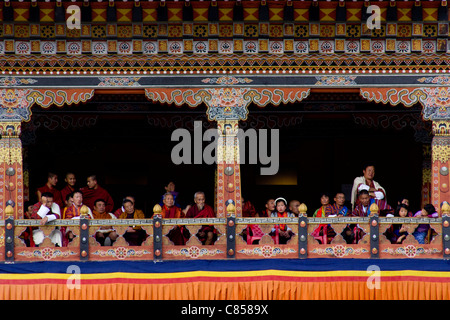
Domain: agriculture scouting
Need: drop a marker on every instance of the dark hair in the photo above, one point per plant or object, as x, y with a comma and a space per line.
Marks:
429, 208
51, 175
397, 210
282, 200
126, 201
125, 198
326, 194
368, 164
99, 200
47, 195
70, 195
363, 192
77, 191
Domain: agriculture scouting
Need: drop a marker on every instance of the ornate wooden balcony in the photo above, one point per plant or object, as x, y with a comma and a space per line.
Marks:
229, 243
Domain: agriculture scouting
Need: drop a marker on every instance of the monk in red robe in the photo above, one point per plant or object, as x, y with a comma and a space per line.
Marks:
207, 234
94, 191
179, 235
50, 186
70, 185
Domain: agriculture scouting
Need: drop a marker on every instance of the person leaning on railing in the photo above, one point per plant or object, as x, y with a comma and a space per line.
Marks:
76, 211
207, 234
423, 231
134, 235
46, 210
397, 233
105, 235
179, 235
281, 233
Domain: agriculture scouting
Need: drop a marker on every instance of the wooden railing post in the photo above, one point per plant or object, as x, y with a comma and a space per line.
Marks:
84, 233
84, 239
9, 234
445, 212
374, 232
157, 233
231, 231
302, 232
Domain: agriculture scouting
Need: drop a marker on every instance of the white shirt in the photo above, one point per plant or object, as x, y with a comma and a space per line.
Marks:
43, 210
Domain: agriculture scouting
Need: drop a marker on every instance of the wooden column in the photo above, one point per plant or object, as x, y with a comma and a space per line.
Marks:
440, 162
11, 175
228, 177
426, 175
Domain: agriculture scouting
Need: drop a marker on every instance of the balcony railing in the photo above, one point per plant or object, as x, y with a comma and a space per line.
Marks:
230, 242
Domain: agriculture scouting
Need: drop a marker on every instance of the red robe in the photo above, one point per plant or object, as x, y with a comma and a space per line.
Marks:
90, 195
206, 212
179, 235
65, 191
118, 212
171, 213
57, 198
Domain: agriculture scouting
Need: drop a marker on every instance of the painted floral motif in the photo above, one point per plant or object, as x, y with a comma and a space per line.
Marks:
119, 81
73, 48
194, 252
301, 31
276, 47
267, 251
377, 46
226, 80
13, 81
429, 47
435, 80
250, 47
336, 80
175, 47
225, 46
14, 103
352, 47
125, 47
48, 47
23, 47
99, 48
47, 253
301, 47
150, 47
339, 251
403, 47
200, 47
411, 251
326, 46
121, 253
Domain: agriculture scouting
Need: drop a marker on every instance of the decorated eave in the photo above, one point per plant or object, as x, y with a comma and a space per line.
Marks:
190, 37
